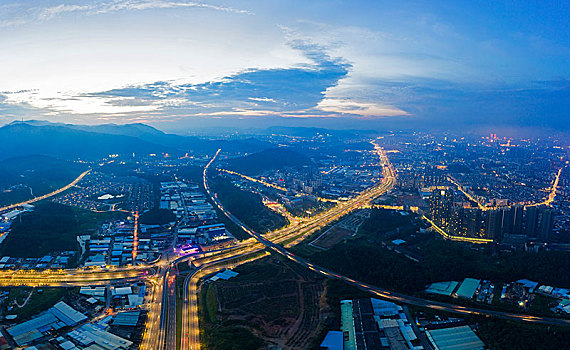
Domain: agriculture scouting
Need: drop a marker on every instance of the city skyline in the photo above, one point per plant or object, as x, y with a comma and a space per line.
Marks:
284, 175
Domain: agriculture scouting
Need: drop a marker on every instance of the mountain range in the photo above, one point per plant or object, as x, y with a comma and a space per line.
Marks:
70, 141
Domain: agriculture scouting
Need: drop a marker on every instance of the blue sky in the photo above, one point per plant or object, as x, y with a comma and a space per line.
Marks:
183, 65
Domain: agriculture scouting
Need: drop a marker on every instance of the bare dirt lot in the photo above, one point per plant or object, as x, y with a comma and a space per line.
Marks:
279, 302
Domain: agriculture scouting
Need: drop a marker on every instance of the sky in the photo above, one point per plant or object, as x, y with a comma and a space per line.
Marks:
185, 65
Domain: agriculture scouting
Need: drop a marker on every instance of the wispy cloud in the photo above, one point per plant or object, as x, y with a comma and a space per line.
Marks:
287, 92
358, 108
46, 13
262, 99
146, 5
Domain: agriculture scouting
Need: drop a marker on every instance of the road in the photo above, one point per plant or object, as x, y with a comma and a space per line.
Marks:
547, 201
159, 330
267, 184
70, 278
51, 194
331, 215
190, 338
171, 313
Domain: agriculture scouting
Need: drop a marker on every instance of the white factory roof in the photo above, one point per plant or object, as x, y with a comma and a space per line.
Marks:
456, 338
468, 288
122, 291
443, 288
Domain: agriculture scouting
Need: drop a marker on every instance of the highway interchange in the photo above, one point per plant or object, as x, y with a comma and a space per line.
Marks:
161, 334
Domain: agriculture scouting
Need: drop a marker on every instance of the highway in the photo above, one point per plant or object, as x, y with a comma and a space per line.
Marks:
70, 278
334, 213
547, 201
152, 333
190, 338
552, 193
51, 194
456, 238
267, 184
160, 330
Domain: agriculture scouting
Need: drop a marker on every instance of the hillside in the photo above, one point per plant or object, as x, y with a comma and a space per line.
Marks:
24, 177
69, 141
270, 159
63, 142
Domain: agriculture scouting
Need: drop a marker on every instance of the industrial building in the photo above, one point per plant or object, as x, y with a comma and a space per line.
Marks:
59, 316
455, 338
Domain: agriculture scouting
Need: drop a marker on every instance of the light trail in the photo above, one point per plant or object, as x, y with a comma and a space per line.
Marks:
267, 184
135, 237
456, 238
547, 201
248, 250
252, 179
51, 194
366, 196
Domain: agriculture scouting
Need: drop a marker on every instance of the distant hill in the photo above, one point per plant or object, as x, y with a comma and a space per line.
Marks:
270, 159
172, 141
68, 141
19, 139
312, 131
14, 169
24, 177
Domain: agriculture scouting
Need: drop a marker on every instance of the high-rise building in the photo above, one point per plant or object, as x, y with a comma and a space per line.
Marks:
517, 211
531, 223
441, 206
473, 221
506, 221
546, 225
493, 222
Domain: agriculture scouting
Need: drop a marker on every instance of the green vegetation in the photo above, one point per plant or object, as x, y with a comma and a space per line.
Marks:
41, 300
220, 336
89, 220
364, 258
384, 222
373, 264
191, 173
211, 304
271, 301
246, 206
35, 175
157, 216
269, 159
542, 304
230, 338
312, 207
51, 227
499, 334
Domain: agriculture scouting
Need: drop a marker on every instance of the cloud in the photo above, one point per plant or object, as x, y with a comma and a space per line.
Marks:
364, 109
262, 99
294, 91
147, 5
47, 13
